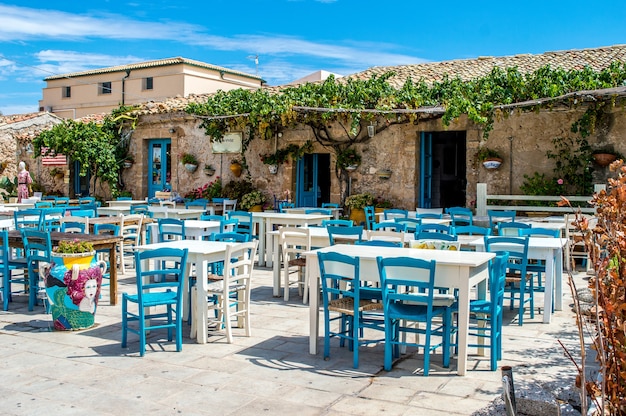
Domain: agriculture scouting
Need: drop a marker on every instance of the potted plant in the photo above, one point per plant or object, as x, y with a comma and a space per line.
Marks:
253, 201
490, 158
128, 161
357, 203
348, 159
605, 156
209, 170
73, 281
384, 173
235, 167
190, 161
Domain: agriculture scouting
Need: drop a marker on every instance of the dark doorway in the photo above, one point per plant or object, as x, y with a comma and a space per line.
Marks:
442, 169
313, 180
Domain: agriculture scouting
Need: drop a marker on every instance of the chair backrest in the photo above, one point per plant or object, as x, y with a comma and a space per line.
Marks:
433, 235
244, 221
370, 217
471, 230
30, 218
37, 245
496, 216
167, 204
386, 235
389, 226
75, 225
197, 203
239, 263
429, 215
283, 205
511, 228
89, 213
436, 211
540, 232
87, 200
229, 225
230, 237
140, 209
497, 281
517, 247
339, 274
415, 276
130, 227
461, 216
50, 218
171, 229
43, 204
229, 205
49, 198
124, 198
380, 243
345, 235
329, 205
391, 213
62, 201
106, 229
410, 224
171, 262
211, 217
436, 228
322, 211
338, 223
294, 240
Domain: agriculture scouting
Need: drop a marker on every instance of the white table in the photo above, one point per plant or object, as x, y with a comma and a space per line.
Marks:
194, 229
201, 253
19, 206
550, 250
455, 269
178, 213
380, 217
126, 203
267, 221
114, 211
302, 210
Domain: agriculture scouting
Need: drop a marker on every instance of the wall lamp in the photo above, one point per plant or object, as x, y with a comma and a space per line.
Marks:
371, 130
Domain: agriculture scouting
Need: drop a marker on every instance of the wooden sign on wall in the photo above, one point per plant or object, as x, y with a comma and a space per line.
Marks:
231, 143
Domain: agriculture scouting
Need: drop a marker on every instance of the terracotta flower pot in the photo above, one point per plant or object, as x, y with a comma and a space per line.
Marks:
604, 159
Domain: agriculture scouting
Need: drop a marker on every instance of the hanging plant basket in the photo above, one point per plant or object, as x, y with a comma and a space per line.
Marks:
604, 159
273, 169
191, 167
351, 168
209, 171
492, 163
128, 164
236, 168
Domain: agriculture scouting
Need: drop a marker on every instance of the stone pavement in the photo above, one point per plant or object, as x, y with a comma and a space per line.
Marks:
88, 372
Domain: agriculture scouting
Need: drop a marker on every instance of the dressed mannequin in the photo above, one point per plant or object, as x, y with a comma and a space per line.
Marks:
23, 180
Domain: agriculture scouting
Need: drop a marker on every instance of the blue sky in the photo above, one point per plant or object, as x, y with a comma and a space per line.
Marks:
292, 38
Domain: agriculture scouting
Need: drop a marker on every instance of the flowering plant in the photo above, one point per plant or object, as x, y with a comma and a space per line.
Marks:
348, 157
209, 190
188, 159
73, 246
277, 158
253, 198
380, 202
359, 201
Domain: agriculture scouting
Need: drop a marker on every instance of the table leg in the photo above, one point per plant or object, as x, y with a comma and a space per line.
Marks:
185, 293
276, 266
558, 296
113, 274
201, 312
463, 329
549, 288
312, 272
262, 242
269, 226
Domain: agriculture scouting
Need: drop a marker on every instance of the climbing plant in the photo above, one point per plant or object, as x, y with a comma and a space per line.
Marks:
100, 148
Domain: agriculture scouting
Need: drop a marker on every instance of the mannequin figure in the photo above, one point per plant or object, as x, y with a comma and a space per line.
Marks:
23, 180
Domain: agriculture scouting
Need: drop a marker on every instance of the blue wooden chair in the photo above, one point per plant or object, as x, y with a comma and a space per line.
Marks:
171, 229
322, 211
379, 243
50, 218
44, 204
342, 297
539, 266
154, 290
432, 235
210, 217
37, 248
392, 213
519, 283
436, 228
87, 200
28, 218
461, 216
370, 217
338, 223
511, 228
486, 314
197, 204
244, 224
283, 205
140, 209
471, 230
345, 235
89, 213
408, 286
390, 225
429, 215
329, 205
496, 216
410, 224
7, 267
78, 225
62, 201
124, 198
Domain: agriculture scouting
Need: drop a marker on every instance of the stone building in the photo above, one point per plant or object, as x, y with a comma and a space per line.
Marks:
448, 152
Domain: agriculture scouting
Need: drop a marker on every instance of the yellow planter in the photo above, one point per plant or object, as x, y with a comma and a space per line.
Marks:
357, 216
256, 208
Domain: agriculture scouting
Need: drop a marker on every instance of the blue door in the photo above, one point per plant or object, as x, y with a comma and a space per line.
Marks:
159, 166
313, 180
81, 183
426, 170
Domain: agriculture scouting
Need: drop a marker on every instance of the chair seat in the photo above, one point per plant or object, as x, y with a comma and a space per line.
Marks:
300, 262
417, 312
153, 299
346, 305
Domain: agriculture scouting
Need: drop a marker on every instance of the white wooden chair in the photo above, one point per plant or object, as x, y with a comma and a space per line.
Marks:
130, 226
293, 242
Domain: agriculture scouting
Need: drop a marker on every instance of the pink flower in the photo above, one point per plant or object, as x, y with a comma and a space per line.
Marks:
560, 181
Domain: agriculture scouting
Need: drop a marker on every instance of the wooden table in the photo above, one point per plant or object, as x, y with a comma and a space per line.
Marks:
178, 213
302, 210
455, 269
100, 242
